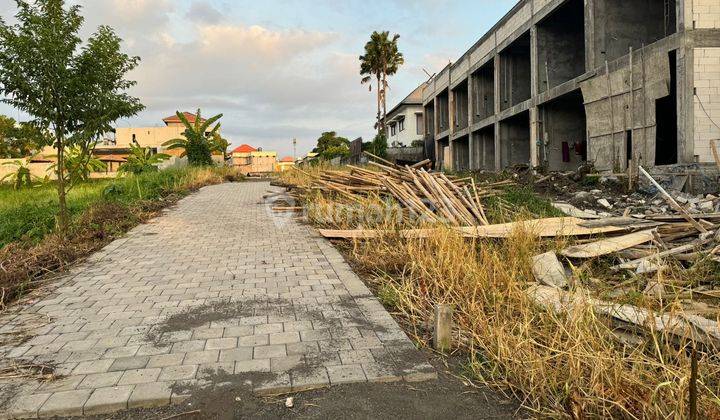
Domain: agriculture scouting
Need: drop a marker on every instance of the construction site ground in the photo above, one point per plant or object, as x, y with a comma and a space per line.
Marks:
224, 306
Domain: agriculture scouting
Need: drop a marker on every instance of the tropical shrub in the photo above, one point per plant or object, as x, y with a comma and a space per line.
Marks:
142, 159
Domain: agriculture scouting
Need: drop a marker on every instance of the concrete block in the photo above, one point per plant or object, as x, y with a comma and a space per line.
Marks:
129, 363
155, 394
108, 400
26, 406
255, 365
100, 380
176, 373
139, 376
65, 403
346, 374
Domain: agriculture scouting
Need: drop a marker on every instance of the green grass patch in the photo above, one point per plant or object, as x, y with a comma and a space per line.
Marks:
517, 199
30, 214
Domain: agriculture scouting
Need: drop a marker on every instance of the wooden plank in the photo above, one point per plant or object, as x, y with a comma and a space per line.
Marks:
677, 250
549, 227
608, 245
548, 270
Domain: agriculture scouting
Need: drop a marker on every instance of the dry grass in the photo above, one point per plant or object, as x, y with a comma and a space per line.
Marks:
558, 365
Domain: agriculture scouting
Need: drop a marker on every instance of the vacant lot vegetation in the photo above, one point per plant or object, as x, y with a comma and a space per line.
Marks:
574, 364
101, 210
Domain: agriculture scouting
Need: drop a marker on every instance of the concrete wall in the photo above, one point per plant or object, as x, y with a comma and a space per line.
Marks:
255, 164
483, 149
621, 24
608, 104
563, 133
147, 136
515, 140
706, 70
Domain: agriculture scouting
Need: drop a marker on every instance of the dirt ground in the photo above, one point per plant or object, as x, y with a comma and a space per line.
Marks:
444, 398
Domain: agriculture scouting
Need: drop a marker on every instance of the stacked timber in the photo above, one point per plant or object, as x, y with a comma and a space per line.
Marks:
433, 196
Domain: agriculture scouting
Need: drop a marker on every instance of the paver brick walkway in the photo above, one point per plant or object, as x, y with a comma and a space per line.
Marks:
217, 290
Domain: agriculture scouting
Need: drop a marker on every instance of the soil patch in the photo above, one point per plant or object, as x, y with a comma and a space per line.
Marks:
449, 396
197, 316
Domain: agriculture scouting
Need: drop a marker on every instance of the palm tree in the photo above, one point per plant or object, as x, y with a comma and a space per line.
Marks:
197, 144
142, 159
382, 58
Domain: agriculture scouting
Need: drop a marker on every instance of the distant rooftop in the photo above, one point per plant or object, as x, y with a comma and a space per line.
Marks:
244, 148
414, 98
173, 119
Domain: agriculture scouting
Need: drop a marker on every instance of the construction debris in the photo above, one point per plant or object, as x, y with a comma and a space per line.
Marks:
548, 270
640, 249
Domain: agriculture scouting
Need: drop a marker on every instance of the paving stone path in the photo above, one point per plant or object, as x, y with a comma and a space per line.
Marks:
217, 290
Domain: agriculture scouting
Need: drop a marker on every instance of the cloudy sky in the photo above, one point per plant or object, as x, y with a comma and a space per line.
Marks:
278, 69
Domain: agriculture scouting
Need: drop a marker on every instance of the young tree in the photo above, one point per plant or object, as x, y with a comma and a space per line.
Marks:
74, 89
382, 58
330, 145
198, 143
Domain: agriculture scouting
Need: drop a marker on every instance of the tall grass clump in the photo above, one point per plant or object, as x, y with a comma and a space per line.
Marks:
558, 364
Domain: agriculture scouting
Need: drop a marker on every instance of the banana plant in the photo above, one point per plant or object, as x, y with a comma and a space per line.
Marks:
142, 159
197, 143
20, 176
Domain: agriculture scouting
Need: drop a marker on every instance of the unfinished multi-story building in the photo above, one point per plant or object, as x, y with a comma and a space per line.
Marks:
556, 83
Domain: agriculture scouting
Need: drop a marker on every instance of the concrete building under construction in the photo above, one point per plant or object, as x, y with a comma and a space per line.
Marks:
557, 83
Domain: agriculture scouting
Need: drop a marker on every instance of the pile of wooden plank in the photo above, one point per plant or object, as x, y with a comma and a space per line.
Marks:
432, 196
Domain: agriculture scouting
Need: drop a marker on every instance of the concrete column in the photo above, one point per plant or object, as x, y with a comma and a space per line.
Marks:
589, 35
685, 103
534, 89
498, 142
451, 124
534, 136
438, 152
471, 144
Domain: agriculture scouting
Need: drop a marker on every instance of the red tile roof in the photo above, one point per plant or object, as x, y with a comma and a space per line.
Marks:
174, 118
287, 159
245, 148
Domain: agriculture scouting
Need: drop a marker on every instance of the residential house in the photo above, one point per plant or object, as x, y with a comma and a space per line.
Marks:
404, 122
253, 161
285, 164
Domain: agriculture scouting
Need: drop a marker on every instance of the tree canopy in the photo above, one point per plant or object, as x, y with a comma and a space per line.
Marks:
19, 140
74, 89
330, 145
